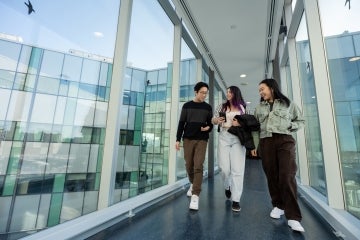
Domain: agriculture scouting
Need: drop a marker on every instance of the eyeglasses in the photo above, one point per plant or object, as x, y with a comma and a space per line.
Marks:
204, 93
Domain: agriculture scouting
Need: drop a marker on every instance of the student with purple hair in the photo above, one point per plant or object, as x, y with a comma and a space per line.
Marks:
231, 154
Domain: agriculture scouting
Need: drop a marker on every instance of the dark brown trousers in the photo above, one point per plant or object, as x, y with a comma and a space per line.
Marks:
278, 160
194, 154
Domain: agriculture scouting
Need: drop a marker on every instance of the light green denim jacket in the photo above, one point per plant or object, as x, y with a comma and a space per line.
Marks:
282, 119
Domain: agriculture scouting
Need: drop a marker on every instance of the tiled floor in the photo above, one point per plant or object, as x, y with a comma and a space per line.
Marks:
215, 219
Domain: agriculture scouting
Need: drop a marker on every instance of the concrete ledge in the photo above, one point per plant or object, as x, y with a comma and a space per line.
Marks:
92, 223
344, 224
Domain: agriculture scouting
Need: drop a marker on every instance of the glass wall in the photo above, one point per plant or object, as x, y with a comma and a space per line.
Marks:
55, 76
143, 158
342, 42
219, 97
312, 130
53, 123
55, 80
187, 82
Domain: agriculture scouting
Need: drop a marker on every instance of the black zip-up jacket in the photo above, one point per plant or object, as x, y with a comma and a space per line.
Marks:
248, 124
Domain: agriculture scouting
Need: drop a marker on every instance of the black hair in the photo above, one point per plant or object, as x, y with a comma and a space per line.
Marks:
273, 85
237, 99
199, 85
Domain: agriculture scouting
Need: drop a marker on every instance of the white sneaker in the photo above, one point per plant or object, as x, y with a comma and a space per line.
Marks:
295, 225
194, 203
276, 213
189, 192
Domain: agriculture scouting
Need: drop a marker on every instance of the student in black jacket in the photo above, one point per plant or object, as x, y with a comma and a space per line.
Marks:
194, 128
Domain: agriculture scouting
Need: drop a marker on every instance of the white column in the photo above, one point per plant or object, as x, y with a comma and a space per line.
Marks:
174, 105
115, 102
325, 106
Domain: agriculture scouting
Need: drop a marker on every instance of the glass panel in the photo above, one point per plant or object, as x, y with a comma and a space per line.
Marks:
59, 182
55, 209
48, 85
84, 115
5, 203
72, 206
14, 158
9, 55
342, 43
9, 185
7, 79
4, 103
25, 213
100, 114
90, 72
19, 106
23, 64
43, 214
93, 158
72, 68
5, 148
57, 158
60, 110
187, 83
78, 158
310, 111
34, 159
90, 202
51, 64
43, 104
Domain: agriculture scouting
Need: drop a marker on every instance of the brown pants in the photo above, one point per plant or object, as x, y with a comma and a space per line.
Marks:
278, 160
194, 154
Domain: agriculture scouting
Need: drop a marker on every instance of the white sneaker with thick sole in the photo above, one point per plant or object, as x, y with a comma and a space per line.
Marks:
276, 213
189, 192
296, 226
194, 202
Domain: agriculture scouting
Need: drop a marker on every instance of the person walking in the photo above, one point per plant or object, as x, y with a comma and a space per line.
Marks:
231, 154
279, 118
194, 128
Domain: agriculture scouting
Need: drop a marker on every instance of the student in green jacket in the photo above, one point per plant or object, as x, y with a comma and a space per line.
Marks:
279, 118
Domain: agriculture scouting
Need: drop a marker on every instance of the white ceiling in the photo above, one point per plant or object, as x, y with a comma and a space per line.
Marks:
235, 33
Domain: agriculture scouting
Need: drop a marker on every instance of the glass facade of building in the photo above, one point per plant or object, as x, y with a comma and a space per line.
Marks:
53, 129
340, 77
342, 44
310, 111
53, 120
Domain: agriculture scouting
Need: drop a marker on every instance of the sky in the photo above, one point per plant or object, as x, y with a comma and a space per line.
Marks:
85, 26
63, 25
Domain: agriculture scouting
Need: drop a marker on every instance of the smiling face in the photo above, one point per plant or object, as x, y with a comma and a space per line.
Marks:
200, 95
266, 93
229, 94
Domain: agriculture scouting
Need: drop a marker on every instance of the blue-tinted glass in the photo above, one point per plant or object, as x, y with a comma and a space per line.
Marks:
90, 72
72, 68
11, 51
51, 64
138, 81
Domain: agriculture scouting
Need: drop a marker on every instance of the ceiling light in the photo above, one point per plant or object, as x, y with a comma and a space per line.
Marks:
353, 59
244, 83
243, 75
